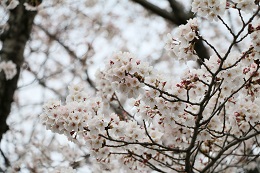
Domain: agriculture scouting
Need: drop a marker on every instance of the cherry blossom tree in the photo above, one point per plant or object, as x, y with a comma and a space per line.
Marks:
206, 122
134, 117
62, 46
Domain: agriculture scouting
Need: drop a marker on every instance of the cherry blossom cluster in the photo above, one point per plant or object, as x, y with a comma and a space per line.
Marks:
210, 9
83, 117
9, 68
78, 115
245, 5
181, 44
125, 72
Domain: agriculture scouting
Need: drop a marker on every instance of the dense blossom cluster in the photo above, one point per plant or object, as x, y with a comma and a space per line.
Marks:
9, 68
209, 8
212, 9
182, 44
207, 121
124, 71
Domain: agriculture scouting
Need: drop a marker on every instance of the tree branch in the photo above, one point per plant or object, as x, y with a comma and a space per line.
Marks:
178, 11
13, 44
157, 10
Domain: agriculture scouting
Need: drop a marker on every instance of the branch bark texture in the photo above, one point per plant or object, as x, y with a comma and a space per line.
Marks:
13, 40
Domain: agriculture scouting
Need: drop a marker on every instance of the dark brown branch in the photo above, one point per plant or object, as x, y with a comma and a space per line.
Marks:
157, 10
179, 12
13, 43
